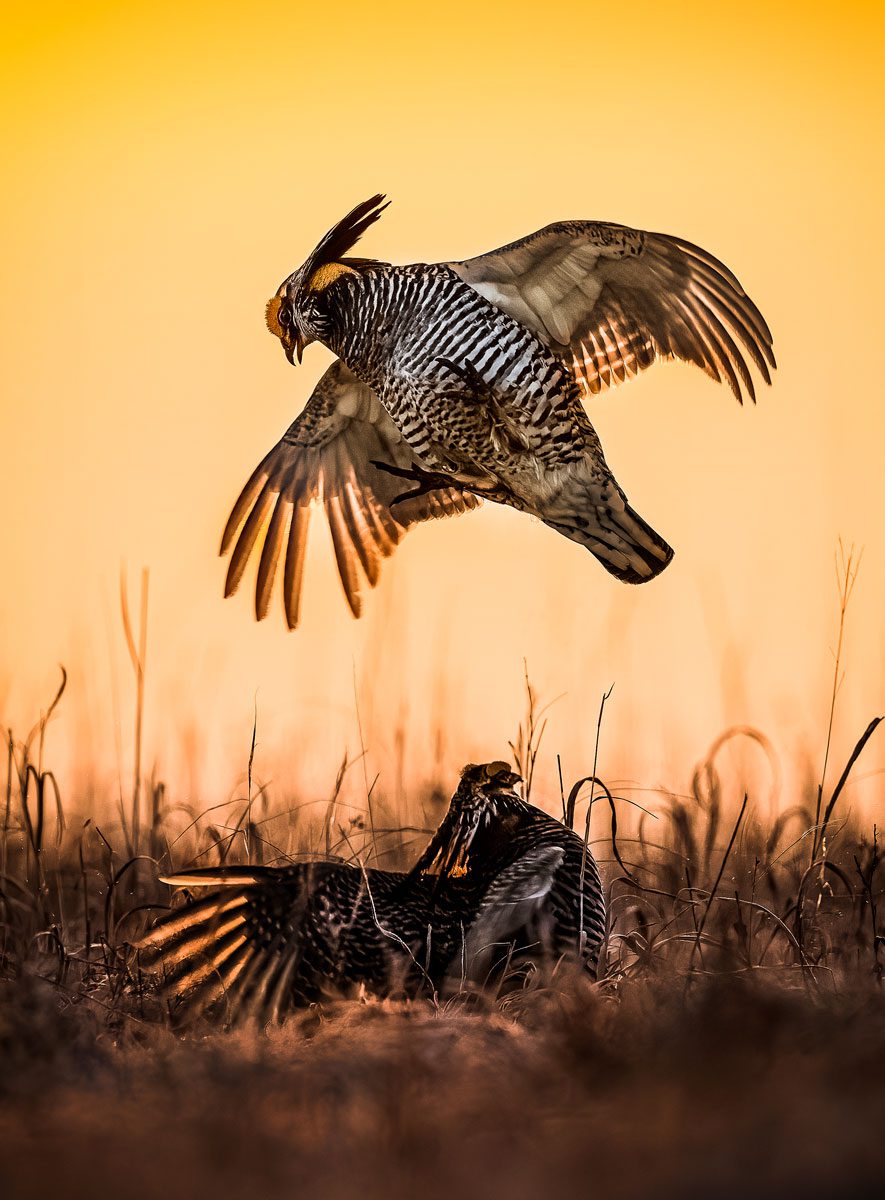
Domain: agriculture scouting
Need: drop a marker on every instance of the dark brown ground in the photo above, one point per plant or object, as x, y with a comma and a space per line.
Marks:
738, 1087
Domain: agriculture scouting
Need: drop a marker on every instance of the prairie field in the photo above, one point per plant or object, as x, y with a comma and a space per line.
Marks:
737, 1027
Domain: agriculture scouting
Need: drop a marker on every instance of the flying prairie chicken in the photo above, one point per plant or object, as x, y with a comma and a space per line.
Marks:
500, 880
466, 379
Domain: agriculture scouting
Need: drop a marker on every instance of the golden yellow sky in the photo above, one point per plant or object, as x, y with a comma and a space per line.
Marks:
167, 165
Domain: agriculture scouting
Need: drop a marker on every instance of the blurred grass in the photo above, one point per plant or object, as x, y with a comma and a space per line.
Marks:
739, 1085
789, 885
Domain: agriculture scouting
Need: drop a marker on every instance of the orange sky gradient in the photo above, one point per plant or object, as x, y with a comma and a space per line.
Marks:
167, 165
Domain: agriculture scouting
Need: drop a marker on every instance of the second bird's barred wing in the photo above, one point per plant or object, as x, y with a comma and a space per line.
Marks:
610, 300
236, 949
262, 940
327, 455
510, 904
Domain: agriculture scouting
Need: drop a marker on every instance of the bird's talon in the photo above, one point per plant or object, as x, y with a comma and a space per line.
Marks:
427, 482
390, 469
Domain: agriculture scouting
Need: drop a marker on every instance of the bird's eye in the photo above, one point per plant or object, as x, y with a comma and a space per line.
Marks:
284, 316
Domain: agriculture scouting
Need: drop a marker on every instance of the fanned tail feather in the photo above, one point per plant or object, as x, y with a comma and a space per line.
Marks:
211, 954
219, 876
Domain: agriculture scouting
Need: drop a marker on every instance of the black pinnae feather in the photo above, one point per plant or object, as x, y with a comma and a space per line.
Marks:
346, 233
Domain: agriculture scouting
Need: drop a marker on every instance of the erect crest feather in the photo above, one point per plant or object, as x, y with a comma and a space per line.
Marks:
345, 234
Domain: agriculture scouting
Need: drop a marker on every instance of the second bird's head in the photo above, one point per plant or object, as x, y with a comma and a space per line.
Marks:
484, 800
486, 792
299, 312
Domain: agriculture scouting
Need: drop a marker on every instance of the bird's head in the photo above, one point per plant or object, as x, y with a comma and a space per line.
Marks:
299, 314
486, 782
485, 796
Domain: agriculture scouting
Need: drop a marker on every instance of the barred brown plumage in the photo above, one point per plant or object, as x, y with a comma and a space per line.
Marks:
535, 886
273, 938
467, 378
500, 882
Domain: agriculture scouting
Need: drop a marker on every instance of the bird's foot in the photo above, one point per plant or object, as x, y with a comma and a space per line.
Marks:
399, 472
427, 481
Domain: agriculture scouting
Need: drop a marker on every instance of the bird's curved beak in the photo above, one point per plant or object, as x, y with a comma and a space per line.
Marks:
294, 347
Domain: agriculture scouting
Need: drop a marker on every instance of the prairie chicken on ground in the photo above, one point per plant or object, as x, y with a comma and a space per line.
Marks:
466, 380
497, 873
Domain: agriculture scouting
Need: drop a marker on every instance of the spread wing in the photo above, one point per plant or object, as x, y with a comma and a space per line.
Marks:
514, 897
326, 455
609, 300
